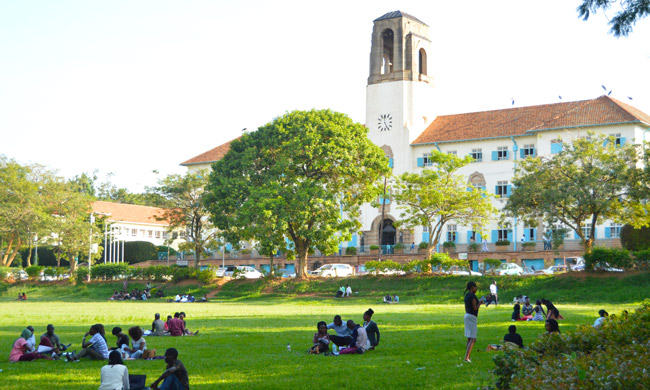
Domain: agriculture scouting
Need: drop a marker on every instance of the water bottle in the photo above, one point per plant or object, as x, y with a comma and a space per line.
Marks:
288, 347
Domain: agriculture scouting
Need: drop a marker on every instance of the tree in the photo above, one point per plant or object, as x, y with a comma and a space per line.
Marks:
303, 176
591, 180
630, 11
186, 209
439, 195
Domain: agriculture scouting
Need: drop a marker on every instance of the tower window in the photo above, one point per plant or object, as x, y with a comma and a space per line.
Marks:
387, 45
422, 61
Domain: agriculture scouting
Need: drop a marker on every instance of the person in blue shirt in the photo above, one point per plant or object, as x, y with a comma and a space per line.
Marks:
343, 335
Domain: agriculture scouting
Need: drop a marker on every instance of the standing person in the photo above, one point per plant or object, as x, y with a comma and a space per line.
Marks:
114, 375
359, 339
175, 376
485, 245
95, 348
494, 294
472, 305
19, 352
371, 329
343, 335
157, 326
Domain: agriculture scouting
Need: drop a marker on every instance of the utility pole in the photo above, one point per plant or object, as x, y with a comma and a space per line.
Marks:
381, 224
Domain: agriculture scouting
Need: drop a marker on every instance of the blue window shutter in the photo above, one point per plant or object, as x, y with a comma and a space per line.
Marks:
608, 232
456, 237
495, 155
510, 235
605, 142
508, 190
622, 139
469, 236
534, 234
507, 155
534, 152
556, 148
521, 153
575, 235
478, 237
228, 247
420, 161
496, 190
354, 241
390, 163
425, 237
495, 236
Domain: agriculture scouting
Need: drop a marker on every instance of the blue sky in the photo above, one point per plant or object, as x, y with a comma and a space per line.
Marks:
128, 87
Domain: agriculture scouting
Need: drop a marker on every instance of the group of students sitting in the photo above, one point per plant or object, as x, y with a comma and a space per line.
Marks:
188, 298
24, 349
388, 299
135, 295
174, 326
22, 296
350, 337
524, 311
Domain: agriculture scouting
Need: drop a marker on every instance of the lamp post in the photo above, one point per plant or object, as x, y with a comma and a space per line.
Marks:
36, 252
90, 244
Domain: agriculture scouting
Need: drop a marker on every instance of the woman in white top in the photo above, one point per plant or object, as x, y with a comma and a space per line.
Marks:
138, 342
115, 375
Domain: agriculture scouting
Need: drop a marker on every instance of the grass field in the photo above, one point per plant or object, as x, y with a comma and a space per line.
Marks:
243, 341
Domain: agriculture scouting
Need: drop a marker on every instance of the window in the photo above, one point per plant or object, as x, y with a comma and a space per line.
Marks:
134, 232
427, 160
614, 230
165, 235
556, 146
150, 233
502, 153
618, 140
502, 189
455, 153
451, 233
586, 231
425, 229
528, 151
502, 234
141, 233
477, 155
157, 234
182, 235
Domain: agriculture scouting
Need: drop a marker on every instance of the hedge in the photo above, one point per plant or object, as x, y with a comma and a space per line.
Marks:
138, 251
635, 239
608, 257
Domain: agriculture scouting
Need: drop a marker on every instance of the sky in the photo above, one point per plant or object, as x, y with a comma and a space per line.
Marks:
127, 88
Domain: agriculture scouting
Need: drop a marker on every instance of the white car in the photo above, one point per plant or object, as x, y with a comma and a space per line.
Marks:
224, 271
334, 270
510, 269
552, 270
248, 272
456, 270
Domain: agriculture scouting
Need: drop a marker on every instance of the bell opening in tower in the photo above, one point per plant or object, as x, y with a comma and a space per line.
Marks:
387, 39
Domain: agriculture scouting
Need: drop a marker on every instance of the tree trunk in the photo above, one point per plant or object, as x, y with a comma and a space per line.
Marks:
10, 255
271, 272
301, 250
197, 255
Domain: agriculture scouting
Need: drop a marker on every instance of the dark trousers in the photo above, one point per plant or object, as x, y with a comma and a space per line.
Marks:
341, 341
171, 383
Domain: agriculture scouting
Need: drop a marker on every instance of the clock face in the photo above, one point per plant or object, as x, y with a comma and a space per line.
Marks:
385, 122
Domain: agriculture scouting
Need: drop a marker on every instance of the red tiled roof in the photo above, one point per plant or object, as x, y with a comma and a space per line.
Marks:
120, 212
211, 155
526, 120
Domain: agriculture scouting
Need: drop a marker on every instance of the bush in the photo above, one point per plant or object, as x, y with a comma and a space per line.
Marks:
642, 259
382, 266
491, 264
34, 271
399, 245
163, 248
81, 274
474, 247
350, 251
635, 239
423, 245
528, 244
46, 256
137, 251
6, 273
613, 356
374, 247
502, 242
605, 257
449, 244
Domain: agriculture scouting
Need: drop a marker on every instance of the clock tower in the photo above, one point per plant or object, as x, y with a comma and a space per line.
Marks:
399, 90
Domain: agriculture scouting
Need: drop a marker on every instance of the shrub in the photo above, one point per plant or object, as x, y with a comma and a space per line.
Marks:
399, 245
137, 251
423, 245
159, 273
606, 257
6, 273
351, 251
382, 266
502, 242
374, 247
34, 271
110, 271
642, 258
449, 244
491, 264
163, 248
81, 274
635, 239
247, 251
528, 244
612, 356
474, 247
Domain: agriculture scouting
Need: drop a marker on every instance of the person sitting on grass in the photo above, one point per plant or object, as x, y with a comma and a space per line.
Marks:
138, 342
511, 339
516, 314
551, 311
19, 351
114, 375
176, 325
527, 308
359, 339
53, 339
157, 326
95, 348
187, 332
603, 317
122, 339
343, 336
321, 339
395, 299
175, 376
169, 318
204, 298
539, 313
551, 326
371, 329
387, 299
31, 341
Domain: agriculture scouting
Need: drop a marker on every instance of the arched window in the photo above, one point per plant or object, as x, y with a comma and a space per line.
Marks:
387, 56
422, 61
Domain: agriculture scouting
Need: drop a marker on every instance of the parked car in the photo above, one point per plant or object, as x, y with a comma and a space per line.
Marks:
247, 272
17, 274
225, 271
334, 270
575, 262
285, 273
510, 269
456, 270
552, 270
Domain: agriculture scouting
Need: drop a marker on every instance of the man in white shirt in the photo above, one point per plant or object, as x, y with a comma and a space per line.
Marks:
493, 292
348, 290
31, 342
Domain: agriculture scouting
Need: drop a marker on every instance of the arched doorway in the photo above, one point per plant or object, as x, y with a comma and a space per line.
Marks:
389, 232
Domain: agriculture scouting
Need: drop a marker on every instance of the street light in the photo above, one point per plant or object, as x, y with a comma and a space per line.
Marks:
90, 240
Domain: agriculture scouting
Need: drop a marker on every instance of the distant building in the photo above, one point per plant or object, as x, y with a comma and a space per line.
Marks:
205, 160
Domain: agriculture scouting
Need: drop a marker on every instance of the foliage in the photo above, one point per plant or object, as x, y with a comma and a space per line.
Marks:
502, 242
449, 244
474, 247
491, 265
557, 237
601, 258
374, 247
137, 251
377, 266
642, 258
34, 271
399, 245
529, 244
303, 176
439, 195
423, 245
351, 251
621, 24
612, 356
186, 209
635, 239
590, 180
111, 271
80, 274
165, 248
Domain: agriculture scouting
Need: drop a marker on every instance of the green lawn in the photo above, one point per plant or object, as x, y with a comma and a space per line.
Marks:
243, 342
